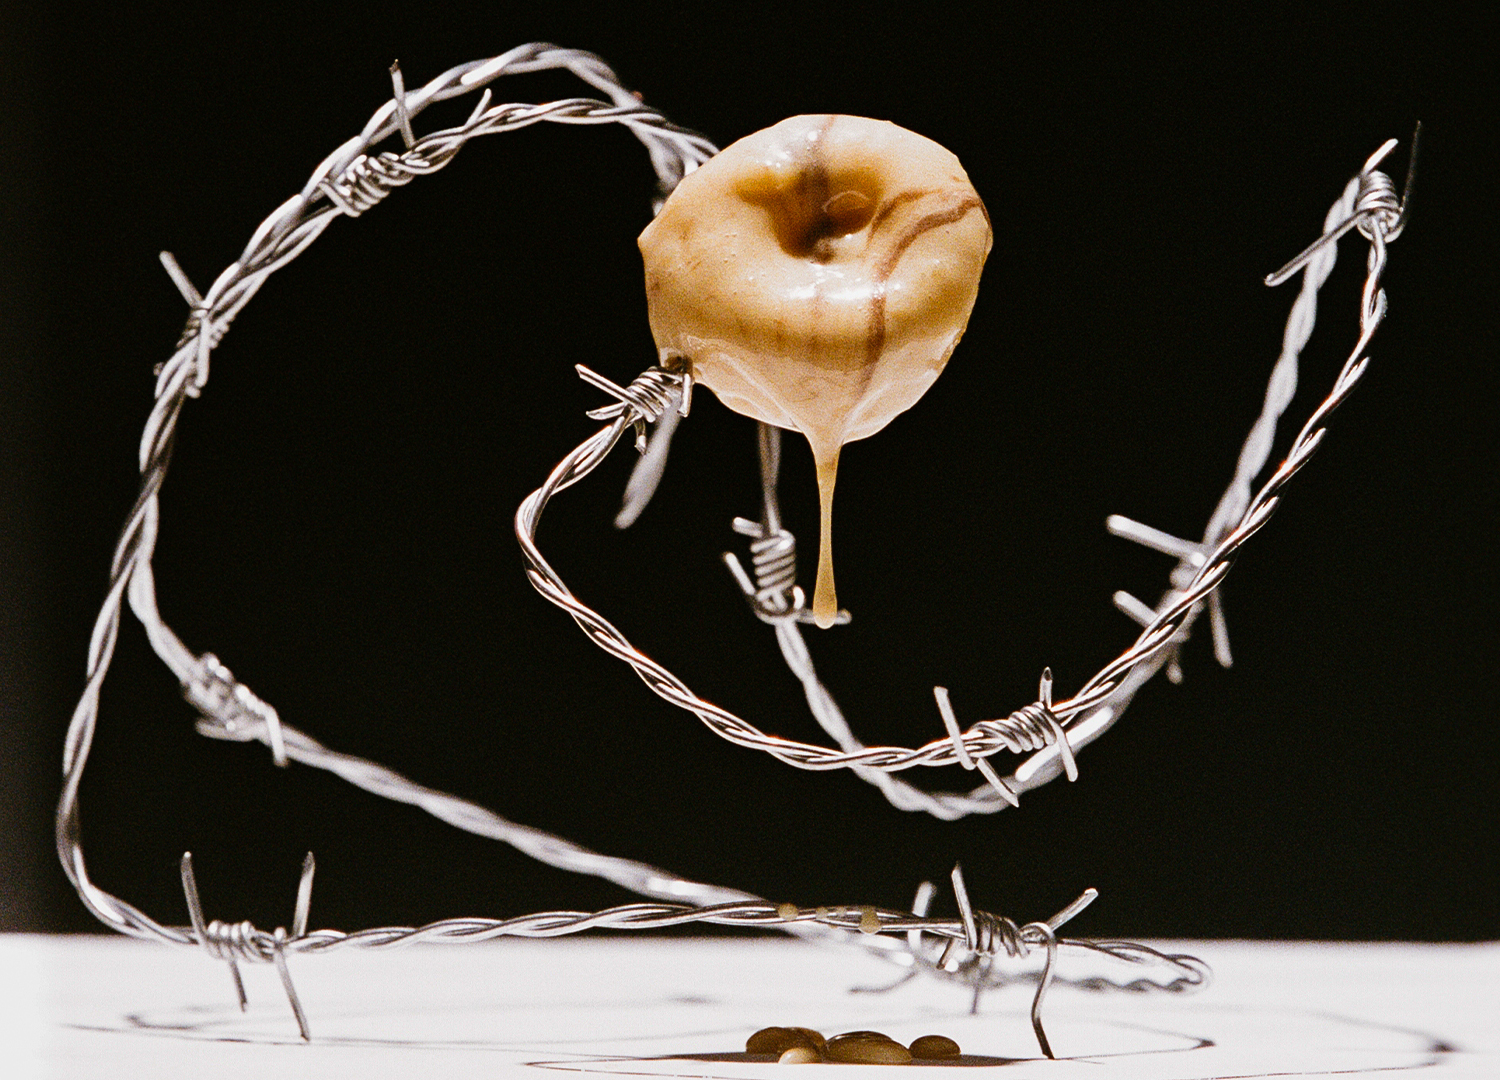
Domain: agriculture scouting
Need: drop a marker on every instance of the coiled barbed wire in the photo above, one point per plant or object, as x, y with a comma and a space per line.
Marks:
350, 182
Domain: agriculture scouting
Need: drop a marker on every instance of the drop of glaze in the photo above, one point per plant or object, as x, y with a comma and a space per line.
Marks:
825, 597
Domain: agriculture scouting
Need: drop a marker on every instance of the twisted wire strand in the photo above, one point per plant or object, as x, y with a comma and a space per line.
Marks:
827, 925
1282, 386
999, 936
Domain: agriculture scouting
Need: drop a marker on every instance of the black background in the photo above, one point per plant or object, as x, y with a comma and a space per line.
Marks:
336, 525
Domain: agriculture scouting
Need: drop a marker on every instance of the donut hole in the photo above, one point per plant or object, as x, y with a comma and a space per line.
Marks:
847, 212
810, 211
810, 226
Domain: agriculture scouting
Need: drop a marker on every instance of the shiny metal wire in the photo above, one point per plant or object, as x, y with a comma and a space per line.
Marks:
1096, 705
352, 181
1369, 203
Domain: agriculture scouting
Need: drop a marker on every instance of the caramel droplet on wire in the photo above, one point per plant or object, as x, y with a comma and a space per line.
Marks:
825, 597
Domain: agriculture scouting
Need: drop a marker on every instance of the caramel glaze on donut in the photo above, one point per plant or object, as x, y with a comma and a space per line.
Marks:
817, 275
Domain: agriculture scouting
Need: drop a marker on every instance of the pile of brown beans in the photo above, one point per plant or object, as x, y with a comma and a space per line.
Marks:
804, 1046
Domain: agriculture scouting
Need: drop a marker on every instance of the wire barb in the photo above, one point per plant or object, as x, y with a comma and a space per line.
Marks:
774, 595
1191, 558
279, 957
200, 928
179, 278
1375, 207
986, 935
230, 710
242, 941
398, 94
304, 897
961, 750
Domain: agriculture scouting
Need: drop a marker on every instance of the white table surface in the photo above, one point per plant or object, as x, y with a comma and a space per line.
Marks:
109, 1006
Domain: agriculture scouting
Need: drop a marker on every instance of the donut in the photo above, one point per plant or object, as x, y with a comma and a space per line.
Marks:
816, 276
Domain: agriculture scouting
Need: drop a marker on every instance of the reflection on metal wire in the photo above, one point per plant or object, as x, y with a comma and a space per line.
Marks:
352, 181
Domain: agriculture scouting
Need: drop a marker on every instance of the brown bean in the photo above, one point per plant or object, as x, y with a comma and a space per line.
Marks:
935, 1046
867, 1048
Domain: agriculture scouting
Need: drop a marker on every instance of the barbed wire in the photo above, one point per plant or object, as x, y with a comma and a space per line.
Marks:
345, 183
1044, 726
350, 182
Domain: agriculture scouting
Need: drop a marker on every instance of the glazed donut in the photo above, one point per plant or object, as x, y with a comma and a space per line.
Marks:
816, 276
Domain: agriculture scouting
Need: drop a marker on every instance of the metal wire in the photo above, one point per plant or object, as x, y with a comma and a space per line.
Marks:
350, 182
1100, 701
346, 182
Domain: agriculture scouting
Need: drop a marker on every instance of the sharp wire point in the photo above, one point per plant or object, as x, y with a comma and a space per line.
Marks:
1050, 939
484, 103
742, 579
1379, 155
965, 909
179, 278
1133, 606
403, 118
1220, 629
194, 904
1332, 236
1005, 791
274, 734
1130, 529
304, 897
200, 927
1411, 177
1085, 898
646, 475
922, 902
278, 956
950, 723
